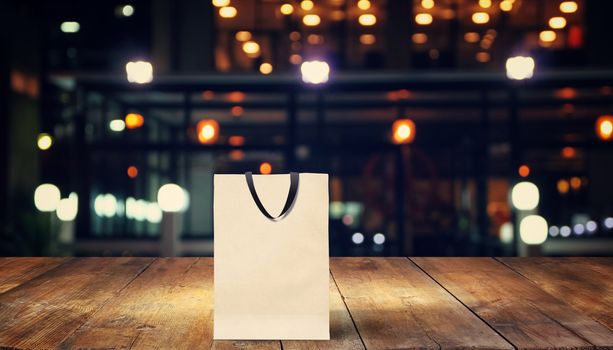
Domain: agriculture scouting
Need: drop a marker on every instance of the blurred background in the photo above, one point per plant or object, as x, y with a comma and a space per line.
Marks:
448, 127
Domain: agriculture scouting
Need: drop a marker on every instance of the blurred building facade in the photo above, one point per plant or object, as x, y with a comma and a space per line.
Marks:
421, 130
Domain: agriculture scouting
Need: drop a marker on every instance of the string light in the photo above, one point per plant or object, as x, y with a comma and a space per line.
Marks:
557, 22
228, 12
311, 20
367, 19
480, 17
423, 18
287, 9
568, 7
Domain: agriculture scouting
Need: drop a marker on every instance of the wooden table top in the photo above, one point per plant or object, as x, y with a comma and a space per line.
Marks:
376, 303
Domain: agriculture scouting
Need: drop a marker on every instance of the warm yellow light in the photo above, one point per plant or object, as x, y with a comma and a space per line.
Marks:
485, 3
403, 131
363, 4
227, 12
265, 68
568, 7
506, 5
307, 5
423, 18
483, 56
242, 36
520, 67
295, 59
221, 3
471, 37
480, 17
287, 9
236, 140
208, 131
265, 168
134, 120
311, 20
419, 38
367, 39
547, 36
44, 141
367, 19
251, 48
557, 22
563, 186
427, 4
604, 127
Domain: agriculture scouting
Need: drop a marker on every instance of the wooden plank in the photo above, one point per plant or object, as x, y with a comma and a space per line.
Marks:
167, 306
397, 306
16, 271
43, 311
246, 345
343, 334
518, 309
584, 283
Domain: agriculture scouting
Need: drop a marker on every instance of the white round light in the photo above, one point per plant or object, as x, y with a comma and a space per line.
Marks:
565, 231
554, 231
357, 238
70, 27
525, 196
579, 229
154, 213
315, 72
47, 197
117, 125
105, 205
68, 208
591, 226
533, 229
139, 72
127, 10
520, 67
378, 238
608, 222
172, 198
506, 232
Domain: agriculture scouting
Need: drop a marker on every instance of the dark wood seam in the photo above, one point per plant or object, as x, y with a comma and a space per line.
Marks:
460, 301
355, 326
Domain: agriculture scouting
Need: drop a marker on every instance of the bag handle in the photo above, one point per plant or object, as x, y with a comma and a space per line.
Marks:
293, 189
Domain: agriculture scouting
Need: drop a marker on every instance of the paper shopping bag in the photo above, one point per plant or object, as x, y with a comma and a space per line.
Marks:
271, 256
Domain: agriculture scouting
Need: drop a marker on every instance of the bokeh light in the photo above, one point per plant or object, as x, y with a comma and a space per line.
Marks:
403, 131
172, 198
134, 120
44, 141
46, 197
533, 229
207, 131
265, 168
604, 127
139, 72
525, 196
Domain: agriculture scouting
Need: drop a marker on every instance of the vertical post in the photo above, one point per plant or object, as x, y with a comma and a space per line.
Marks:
482, 172
402, 249
515, 157
84, 166
290, 132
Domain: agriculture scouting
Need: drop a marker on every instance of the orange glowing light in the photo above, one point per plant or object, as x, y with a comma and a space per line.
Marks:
569, 152
208, 95
403, 131
566, 93
132, 171
134, 120
265, 168
236, 140
563, 186
208, 131
237, 155
604, 127
524, 170
575, 183
236, 96
237, 111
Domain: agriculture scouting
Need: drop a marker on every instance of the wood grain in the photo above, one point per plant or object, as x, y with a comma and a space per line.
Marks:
43, 311
584, 283
517, 308
170, 303
343, 334
16, 271
396, 306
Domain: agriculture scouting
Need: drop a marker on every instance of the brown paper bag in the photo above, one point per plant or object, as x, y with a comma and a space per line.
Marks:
271, 256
